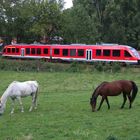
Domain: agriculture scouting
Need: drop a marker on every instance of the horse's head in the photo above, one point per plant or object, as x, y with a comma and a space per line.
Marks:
93, 103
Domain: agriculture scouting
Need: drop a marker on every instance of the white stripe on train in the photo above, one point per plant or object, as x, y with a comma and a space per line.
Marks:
72, 59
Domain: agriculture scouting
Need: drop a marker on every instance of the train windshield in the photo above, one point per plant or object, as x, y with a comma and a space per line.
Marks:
135, 52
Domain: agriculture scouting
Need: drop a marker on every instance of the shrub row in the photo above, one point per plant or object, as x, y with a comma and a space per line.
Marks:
40, 65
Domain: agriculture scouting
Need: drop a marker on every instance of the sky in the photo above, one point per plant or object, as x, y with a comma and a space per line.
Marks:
68, 4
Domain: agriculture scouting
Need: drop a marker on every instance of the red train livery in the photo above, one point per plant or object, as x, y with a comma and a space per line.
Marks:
77, 52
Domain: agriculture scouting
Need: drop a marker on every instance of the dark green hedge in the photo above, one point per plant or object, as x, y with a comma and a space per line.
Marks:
41, 65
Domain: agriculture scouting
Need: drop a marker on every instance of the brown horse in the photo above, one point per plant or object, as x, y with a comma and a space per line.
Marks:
127, 88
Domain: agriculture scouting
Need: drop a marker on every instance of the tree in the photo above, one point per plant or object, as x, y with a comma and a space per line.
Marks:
78, 25
88, 21
121, 22
28, 19
47, 19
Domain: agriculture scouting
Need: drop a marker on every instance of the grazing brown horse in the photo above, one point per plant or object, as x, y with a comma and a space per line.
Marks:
127, 88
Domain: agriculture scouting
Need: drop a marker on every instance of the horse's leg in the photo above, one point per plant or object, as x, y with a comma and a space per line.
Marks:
129, 97
107, 102
13, 106
31, 108
102, 100
33, 102
20, 102
124, 101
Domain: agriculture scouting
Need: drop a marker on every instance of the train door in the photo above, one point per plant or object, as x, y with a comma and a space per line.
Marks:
89, 54
22, 51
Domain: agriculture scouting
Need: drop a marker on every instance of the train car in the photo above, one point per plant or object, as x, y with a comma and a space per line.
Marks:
27, 51
74, 52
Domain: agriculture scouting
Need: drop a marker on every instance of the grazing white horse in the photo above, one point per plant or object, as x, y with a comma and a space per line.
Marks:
17, 90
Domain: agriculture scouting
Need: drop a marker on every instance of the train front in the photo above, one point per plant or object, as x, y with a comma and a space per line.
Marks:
136, 54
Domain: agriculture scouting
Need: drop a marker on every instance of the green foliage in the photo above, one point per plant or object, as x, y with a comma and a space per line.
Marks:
98, 66
116, 67
107, 66
41, 65
88, 21
103, 21
111, 138
29, 20
78, 26
74, 67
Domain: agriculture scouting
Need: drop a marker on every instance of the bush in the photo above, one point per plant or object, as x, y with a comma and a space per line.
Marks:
19, 65
107, 67
111, 138
116, 67
74, 67
36, 65
40, 65
98, 66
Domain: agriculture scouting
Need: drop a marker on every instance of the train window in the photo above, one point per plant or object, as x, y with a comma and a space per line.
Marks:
8, 50
45, 51
17, 50
98, 52
72, 52
116, 53
27, 50
13, 50
56, 51
33, 51
127, 54
106, 52
80, 52
65, 52
38, 51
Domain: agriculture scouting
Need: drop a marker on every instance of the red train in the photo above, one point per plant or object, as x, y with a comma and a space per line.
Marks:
78, 52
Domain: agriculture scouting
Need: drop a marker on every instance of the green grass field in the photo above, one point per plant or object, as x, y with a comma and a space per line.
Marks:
64, 112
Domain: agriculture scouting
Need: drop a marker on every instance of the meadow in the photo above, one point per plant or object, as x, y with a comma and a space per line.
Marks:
64, 112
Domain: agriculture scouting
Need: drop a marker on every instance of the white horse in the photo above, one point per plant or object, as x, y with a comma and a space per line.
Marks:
17, 90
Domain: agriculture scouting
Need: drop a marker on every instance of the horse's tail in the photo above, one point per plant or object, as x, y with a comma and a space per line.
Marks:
134, 92
36, 93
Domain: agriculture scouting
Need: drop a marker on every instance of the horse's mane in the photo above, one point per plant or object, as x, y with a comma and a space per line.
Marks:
95, 91
11, 84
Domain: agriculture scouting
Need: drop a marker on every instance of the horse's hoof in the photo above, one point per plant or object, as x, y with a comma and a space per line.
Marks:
94, 110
